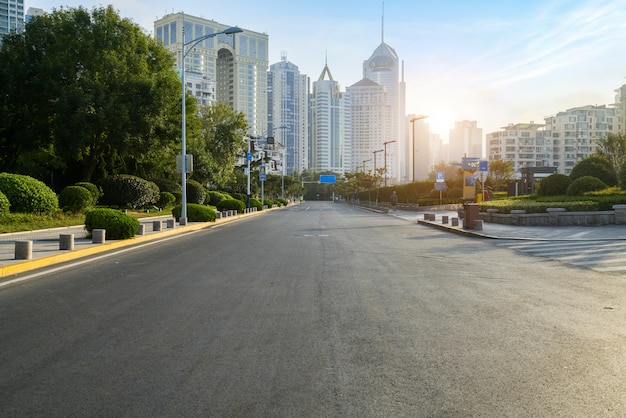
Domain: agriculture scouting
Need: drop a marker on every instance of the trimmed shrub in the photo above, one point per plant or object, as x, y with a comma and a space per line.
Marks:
283, 202
75, 199
4, 205
93, 189
554, 185
178, 197
166, 199
595, 166
240, 196
195, 192
126, 191
585, 184
213, 198
196, 213
255, 203
231, 204
167, 185
27, 194
117, 224
269, 202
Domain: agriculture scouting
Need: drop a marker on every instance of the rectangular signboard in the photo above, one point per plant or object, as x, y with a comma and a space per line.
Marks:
328, 178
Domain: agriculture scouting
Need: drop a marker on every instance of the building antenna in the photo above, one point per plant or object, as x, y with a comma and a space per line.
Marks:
382, 30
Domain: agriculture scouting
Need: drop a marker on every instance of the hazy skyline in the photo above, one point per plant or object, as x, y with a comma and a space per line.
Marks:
493, 62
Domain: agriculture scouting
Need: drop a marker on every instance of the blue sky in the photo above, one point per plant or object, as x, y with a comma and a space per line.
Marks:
496, 62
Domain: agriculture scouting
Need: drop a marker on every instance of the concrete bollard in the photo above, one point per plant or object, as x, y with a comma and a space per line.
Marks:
170, 223
182, 221
98, 236
156, 226
478, 225
444, 219
455, 221
141, 230
66, 242
23, 250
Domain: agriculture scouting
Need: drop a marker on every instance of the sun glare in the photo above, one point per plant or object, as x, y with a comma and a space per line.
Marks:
440, 123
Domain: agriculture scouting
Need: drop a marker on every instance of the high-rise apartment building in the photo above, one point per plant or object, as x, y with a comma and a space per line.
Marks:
383, 67
330, 126
524, 144
370, 112
574, 133
237, 63
288, 113
11, 16
465, 140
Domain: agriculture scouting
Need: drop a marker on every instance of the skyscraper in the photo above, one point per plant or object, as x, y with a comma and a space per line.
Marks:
288, 107
383, 67
465, 140
238, 63
11, 16
330, 124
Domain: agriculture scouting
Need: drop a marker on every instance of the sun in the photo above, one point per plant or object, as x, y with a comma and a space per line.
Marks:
440, 123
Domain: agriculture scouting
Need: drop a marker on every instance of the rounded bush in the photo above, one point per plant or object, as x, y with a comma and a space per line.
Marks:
196, 213
283, 202
166, 199
256, 203
127, 191
585, 184
231, 204
195, 192
554, 185
178, 197
118, 225
595, 166
4, 205
27, 194
93, 189
75, 199
167, 185
240, 196
214, 197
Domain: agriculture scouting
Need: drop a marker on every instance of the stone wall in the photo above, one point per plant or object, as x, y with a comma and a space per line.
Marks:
557, 217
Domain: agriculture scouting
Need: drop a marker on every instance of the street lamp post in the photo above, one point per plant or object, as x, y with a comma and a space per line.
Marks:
376, 152
365, 161
191, 44
385, 144
415, 119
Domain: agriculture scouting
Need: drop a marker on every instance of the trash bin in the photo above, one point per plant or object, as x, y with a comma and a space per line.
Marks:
472, 212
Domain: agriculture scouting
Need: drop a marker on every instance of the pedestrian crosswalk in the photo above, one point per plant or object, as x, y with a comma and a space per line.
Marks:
600, 255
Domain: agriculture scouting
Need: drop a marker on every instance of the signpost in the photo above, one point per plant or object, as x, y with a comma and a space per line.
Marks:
262, 176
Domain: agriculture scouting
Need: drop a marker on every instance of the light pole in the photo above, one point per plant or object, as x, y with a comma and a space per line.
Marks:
191, 44
415, 119
376, 152
365, 161
249, 157
385, 144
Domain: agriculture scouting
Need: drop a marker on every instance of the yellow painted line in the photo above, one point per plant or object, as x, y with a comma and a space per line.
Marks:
36, 263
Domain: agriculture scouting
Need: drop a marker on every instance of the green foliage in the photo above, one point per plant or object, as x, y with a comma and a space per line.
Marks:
75, 199
595, 166
554, 185
196, 213
196, 193
118, 225
214, 197
613, 148
240, 196
283, 202
84, 93
256, 203
585, 184
126, 191
269, 202
167, 185
94, 190
28, 195
178, 197
4, 205
166, 199
231, 204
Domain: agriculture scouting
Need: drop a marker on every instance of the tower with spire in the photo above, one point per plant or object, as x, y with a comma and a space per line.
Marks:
383, 67
330, 138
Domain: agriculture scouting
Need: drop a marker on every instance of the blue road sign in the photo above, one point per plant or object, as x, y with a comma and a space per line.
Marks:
483, 166
328, 178
440, 177
262, 173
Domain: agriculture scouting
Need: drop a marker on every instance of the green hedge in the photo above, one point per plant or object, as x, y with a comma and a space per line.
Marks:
118, 225
166, 199
75, 199
28, 195
214, 197
196, 193
255, 203
94, 190
231, 204
4, 205
196, 213
585, 184
127, 191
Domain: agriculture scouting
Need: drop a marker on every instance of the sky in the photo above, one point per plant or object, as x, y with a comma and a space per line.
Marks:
496, 62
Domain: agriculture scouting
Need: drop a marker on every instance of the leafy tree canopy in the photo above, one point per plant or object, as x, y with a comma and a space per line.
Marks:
596, 166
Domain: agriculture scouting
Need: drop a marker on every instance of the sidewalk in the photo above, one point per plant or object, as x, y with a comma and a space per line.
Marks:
512, 232
46, 246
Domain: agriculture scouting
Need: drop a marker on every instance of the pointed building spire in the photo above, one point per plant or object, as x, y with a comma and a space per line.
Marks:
326, 70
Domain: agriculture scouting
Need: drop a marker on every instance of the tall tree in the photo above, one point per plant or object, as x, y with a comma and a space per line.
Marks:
218, 144
613, 148
98, 91
501, 172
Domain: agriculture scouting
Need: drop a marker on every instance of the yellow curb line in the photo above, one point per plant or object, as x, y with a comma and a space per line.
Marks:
27, 265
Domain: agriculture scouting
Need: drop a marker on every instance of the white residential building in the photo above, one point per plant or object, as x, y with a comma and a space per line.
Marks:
238, 63
288, 113
525, 144
330, 126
